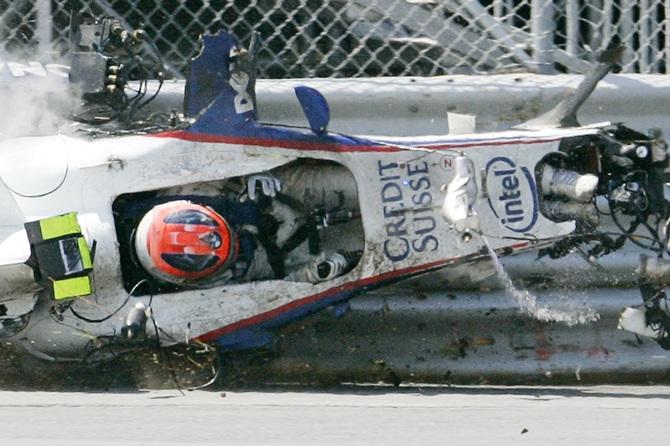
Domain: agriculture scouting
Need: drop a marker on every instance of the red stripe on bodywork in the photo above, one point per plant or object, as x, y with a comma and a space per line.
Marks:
262, 317
259, 318
333, 147
267, 142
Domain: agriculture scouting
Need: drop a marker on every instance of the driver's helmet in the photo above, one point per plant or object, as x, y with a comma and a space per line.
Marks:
181, 242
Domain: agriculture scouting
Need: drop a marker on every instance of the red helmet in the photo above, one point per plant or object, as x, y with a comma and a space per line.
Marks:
181, 242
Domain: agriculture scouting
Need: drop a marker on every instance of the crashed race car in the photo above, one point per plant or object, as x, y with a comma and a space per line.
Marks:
211, 227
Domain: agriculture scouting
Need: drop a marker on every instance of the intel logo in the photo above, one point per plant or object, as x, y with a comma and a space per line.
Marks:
512, 194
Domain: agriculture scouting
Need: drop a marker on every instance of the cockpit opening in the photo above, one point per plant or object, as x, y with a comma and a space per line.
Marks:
299, 222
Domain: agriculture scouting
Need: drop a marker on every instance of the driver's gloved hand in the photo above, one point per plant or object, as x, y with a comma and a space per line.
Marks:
266, 183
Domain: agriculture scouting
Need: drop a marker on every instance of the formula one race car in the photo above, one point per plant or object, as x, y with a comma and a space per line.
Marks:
209, 226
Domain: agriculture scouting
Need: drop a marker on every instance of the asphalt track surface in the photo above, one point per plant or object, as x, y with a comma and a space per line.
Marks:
405, 416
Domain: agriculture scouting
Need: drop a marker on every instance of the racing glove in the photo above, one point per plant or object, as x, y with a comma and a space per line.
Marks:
268, 185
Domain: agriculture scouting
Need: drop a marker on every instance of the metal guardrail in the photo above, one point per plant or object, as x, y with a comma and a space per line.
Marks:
462, 337
419, 106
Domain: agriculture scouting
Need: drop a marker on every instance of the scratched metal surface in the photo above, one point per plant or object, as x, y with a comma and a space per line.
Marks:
465, 337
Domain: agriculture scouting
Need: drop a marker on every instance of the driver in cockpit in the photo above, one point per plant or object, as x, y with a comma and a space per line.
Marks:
195, 240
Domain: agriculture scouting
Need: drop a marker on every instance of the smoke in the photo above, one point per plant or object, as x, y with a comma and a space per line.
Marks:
35, 97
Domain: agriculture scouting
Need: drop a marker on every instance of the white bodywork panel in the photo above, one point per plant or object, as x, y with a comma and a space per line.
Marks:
400, 199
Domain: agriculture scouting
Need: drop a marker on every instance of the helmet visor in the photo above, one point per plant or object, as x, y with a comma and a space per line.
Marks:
190, 262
